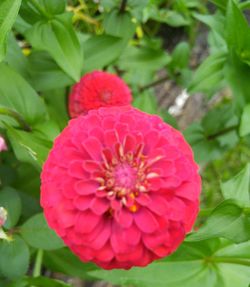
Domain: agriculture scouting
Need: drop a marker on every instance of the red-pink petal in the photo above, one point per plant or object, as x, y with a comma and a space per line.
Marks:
86, 221
146, 221
158, 205
85, 187
83, 202
124, 217
93, 147
100, 205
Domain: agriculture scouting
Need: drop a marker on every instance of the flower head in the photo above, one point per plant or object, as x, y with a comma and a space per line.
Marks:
98, 89
120, 187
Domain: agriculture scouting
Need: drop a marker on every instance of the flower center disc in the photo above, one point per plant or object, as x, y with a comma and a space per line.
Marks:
125, 176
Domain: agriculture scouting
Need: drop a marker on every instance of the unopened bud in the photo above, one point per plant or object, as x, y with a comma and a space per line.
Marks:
3, 216
3, 145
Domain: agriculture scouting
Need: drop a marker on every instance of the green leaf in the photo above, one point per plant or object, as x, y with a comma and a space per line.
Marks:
180, 56
44, 282
238, 32
37, 234
144, 59
238, 187
28, 147
227, 220
8, 13
209, 74
237, 75
18, 95
16, 59
45, 73
59, 39
64, 261
170, 17
245, 121
146, 102
193, 265
14, 259
10, 200
119, 24
220, 3
96, 58
53, 7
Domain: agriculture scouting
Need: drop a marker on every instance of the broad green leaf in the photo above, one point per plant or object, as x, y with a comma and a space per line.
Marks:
170, 17
245, 122
146, 102
220, 3
36, 10
96, 58
28, 147
237, 74
64, 261
45, 73
17, 95
227, 220
8, 13
204, 150
192, 265
57, 107
219, 119
144, 59
59, 39
238, 187
119, 24
43, 282
53, 7
14, 259
180, 57
37, 234
16, 59
209, 75
238, 31
10, 200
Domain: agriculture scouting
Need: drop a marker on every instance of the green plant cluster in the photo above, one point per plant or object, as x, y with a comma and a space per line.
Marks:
46, 46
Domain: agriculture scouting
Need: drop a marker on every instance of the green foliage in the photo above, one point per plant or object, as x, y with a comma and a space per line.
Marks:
207, 263
14, 260
46, 46
37, 234
10, 200
8, 13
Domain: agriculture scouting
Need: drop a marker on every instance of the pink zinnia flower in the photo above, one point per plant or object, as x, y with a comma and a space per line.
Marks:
98, 89
3, 146
120, 187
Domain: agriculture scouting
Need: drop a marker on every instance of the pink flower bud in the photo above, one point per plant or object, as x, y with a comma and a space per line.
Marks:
3, 146
3, 216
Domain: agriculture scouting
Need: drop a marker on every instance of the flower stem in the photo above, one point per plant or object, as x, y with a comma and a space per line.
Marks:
16, 116
155, 83
123, 6
38, 263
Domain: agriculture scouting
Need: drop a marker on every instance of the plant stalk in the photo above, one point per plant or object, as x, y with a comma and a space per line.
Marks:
38, 263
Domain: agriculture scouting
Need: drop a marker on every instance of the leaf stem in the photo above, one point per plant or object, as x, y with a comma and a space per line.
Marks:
155, 83
39, 8
222, 132
123, 6
15, 115
38, 263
